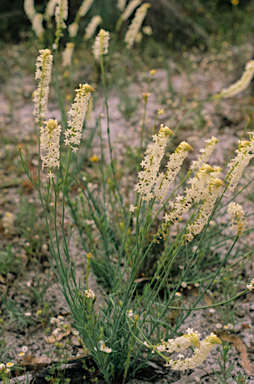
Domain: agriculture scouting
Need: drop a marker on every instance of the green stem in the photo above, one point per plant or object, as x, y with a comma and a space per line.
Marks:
109, 140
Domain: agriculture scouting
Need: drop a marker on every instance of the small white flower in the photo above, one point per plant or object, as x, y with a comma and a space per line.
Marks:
250, 287
51, 175
161, 348
178, 294
56, 331
147, 30
24, 349
183, 284
2, 367
132, 208
89, 293
179, 198
103, 347
129, 312
218, 325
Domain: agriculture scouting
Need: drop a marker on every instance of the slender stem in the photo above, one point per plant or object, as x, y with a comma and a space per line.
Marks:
109, 140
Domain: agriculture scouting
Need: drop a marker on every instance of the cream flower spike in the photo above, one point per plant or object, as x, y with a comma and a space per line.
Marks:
100, 46
121, 4
37, 25
84, 8
29, 9
91, 28
73, 29
240, 162
136, 24
241, 84
67, 54
43, 73
237, 217
50, 144
50, 9
194, 340
200, 354
61, 13
205, 153
77, 112
130, 8
151, 163
173, 167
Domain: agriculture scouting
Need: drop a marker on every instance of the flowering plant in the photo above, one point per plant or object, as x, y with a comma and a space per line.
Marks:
117, 240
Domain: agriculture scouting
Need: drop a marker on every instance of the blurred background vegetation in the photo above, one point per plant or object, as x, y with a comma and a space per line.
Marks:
176, 23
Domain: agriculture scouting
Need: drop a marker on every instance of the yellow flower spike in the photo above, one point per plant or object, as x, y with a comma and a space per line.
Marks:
243, 144
165, 131
88, 88
193, 339
186, 146
213, 339
217, 183
207, 168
